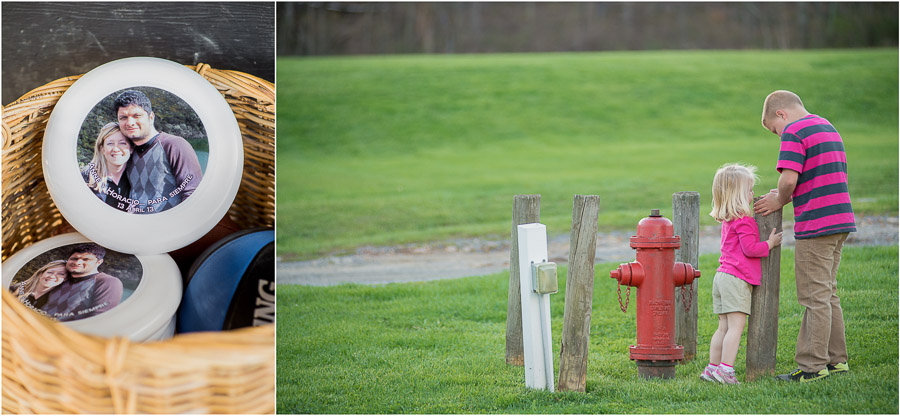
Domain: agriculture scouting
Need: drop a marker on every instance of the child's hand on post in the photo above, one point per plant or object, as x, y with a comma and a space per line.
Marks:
774, 239
767, 204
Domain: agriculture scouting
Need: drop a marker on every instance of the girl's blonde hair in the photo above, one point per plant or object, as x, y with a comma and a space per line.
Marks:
730, 199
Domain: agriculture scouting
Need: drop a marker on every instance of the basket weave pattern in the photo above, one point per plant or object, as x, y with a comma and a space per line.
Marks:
49, 368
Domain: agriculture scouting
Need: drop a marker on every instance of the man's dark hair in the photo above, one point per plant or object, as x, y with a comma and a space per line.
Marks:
130, 97
94, 249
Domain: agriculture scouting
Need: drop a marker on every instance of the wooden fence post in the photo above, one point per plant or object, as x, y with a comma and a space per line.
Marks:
762, 330
576, 331
526, 210
686, 219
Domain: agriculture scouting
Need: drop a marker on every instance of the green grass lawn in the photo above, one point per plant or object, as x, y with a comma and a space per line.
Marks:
397, 149
439, 347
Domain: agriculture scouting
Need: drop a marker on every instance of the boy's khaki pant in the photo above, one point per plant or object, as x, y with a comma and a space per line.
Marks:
821, 339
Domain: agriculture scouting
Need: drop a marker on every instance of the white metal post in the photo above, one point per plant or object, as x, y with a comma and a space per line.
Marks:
536, 336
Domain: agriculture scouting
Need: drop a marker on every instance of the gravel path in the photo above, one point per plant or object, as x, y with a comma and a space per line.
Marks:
475, 257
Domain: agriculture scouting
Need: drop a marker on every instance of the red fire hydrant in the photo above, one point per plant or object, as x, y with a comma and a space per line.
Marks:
655, 274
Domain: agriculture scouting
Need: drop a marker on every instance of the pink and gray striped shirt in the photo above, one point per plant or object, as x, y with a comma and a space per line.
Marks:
812, 147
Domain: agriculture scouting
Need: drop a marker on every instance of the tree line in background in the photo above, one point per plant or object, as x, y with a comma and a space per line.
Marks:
338, 28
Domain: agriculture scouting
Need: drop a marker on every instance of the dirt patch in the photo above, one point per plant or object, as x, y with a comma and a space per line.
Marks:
476, 257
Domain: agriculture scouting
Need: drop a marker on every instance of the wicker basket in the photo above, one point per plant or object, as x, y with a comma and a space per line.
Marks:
49, 368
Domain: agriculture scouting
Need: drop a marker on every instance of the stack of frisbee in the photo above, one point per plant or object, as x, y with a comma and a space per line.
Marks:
122, 190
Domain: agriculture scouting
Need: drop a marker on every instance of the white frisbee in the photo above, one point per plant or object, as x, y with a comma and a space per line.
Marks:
151, 290
162, 202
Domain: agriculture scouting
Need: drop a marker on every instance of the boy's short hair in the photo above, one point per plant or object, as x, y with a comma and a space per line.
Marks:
130, 97
779, 100
94, 249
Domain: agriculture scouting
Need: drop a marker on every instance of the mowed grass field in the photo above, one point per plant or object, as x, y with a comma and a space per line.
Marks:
439, 347
397, 149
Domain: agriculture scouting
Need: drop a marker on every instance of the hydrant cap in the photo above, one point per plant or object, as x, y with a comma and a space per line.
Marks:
655, 231
655, 226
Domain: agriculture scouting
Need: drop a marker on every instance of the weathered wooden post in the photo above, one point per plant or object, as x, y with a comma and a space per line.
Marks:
576, 331
762, 330
526, 210
686, 219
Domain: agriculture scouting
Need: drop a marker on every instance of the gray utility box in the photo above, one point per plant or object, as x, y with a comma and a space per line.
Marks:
543, 278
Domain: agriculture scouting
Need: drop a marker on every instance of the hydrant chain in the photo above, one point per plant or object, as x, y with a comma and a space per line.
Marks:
684, 300
627, 295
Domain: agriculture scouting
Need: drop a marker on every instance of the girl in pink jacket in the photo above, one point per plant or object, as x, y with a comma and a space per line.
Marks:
732, 205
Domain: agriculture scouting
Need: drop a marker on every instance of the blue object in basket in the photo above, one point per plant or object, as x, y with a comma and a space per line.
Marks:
231, 285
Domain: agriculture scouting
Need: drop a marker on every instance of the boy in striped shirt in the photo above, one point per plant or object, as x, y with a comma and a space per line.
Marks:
813, 169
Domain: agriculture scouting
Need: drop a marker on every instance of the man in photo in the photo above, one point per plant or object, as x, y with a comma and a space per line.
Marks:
87, 291
163, 169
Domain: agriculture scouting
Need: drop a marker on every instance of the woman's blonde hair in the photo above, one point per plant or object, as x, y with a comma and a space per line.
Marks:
31, 284
98, 169
730, 199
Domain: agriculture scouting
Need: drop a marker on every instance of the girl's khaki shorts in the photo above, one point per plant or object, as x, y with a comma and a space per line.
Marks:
730, 294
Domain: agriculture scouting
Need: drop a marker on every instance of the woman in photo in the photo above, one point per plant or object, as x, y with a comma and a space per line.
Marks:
33, 291
106, 175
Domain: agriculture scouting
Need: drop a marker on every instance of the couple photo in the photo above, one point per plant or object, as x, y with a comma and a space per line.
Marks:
72, 288
134, 166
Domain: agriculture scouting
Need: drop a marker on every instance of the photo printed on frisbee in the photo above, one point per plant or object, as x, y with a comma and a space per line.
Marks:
53, 282
142, 155
142, 150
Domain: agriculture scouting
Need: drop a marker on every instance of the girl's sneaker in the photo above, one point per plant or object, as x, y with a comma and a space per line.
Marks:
725, 378
707, 375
